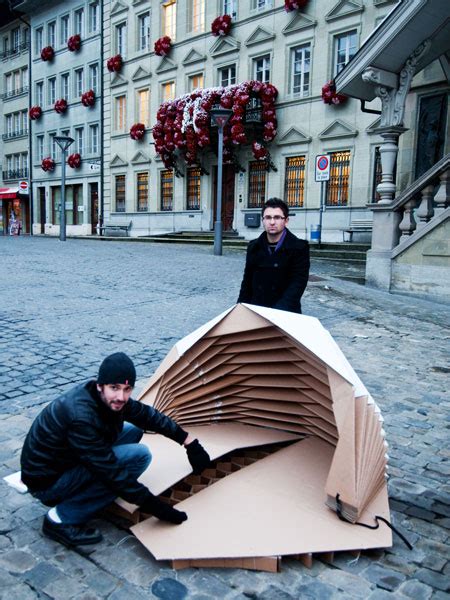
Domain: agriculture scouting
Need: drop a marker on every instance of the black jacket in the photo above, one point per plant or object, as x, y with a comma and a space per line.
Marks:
276, 280
78, 428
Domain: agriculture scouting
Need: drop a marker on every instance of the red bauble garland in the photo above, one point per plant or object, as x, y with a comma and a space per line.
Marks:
221, 25
47, 164
35, 113
115, 63
88, 98
60, 106
290, 5
74, 160
330, 96
183, 125
163, 45
137, 131
47, 53
74, 43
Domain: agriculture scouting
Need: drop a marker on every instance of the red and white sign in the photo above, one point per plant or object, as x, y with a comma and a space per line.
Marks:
23, 187
322, 167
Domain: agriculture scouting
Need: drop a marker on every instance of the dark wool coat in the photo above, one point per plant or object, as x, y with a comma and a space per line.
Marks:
79, 429
276, 280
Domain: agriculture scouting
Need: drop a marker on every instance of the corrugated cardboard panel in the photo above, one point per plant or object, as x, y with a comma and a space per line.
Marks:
273, 507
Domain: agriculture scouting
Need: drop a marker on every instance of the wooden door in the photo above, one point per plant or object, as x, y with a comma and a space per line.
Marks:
227, 213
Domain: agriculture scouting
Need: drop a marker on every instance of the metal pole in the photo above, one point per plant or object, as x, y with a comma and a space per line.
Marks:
218, 223
322, 183
62, 218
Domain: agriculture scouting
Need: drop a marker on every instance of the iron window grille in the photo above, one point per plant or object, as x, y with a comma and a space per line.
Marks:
167, 190
294, 183
142, 192
120, 193
337, 186
193, 178
257, 174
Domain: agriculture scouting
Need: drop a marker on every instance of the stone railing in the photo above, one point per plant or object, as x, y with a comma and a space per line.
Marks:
425, 199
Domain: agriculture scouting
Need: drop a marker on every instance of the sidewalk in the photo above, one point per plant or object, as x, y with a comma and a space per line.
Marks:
64, 306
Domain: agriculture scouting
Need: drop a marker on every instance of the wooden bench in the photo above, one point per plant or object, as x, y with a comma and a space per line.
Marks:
116, 228
357, 226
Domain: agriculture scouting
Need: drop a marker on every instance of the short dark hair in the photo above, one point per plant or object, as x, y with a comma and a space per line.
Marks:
276, 203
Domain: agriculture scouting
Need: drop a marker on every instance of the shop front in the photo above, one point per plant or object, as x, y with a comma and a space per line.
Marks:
14, 212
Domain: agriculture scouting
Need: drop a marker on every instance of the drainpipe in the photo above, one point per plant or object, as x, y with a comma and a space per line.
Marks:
102, 111
30, 129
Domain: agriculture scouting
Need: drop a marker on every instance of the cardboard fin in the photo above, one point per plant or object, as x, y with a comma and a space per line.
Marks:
270, 564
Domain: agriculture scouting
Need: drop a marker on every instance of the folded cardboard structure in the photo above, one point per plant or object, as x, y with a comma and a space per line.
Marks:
250, 380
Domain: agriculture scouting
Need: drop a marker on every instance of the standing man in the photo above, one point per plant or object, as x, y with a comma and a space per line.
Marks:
277, 264
83, 451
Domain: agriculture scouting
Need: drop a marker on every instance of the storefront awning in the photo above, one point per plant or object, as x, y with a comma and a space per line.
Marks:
11, 193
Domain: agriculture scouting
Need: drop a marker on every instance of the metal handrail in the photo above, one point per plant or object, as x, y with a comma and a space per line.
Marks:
15, 134
14, 174
16, 92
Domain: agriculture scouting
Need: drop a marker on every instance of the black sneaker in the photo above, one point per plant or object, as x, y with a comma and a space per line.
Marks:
70, 535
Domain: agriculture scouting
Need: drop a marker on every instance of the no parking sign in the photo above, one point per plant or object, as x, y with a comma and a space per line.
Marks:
322, 167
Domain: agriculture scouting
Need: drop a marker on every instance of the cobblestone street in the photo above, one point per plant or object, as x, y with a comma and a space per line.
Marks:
65, 306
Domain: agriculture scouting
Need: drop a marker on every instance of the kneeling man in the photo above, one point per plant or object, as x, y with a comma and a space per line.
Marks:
83, 451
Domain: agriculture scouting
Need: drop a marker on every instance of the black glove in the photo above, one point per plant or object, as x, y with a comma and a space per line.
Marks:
198, 457
163, 511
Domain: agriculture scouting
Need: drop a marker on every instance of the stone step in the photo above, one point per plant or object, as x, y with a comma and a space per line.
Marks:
335, 254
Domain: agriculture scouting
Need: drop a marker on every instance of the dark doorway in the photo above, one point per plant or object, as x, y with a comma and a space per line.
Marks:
93, 187
431, 132
42, 215
228, 177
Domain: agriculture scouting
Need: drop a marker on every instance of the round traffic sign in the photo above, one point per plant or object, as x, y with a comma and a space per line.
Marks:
23, 185
322, 163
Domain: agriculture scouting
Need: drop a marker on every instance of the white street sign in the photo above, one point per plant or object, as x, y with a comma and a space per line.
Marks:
94, 166
23, 187
322, 167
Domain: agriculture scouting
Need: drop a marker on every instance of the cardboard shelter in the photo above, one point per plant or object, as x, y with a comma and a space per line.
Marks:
291, 429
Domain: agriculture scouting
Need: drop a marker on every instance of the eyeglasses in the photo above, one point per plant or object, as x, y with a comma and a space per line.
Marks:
274, 218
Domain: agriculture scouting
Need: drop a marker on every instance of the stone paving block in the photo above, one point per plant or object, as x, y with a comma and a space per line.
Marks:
387, 579
209, 584
433, 579
21, 592
17, 561
346, 582
415, 589
101, 583
125, 591
65, 588
6, 579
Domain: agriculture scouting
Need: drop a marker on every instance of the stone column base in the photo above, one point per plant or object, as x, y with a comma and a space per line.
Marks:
378, 269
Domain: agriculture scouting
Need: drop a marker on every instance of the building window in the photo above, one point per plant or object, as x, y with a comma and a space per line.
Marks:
40, 93
142, 192
93, 77
121, 116
261, 4
168, 91
53, 146
120, 193
229, 7
344, 50
51, 34
143, 100
300, 70
261, 68
65, 86
24, 77
196, 82
170, 19
9, 124
25, 121
337, 186
26, 37
121, 39
64, 30
15, 34
227, 75
294, 183
79, 22
197, 16
144, 31
93, 139
93, 17
39, 40
193, 177
167, 189
79, 83
40, 147
79, 140
256, 183
52, 90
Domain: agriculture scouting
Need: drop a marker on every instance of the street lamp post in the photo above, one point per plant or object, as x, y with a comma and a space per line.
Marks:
63, 142
219, 117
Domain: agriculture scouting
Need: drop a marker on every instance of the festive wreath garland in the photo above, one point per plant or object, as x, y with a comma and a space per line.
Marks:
221, 25
290, 5
60, 106
74, 43
74, 160
137, 131
163, 45
115, 63
35, 113
330, 96
47, 53
88, 98
182, 127
47, 164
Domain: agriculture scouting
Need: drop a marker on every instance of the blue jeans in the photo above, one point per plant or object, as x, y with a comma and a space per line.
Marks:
78, 495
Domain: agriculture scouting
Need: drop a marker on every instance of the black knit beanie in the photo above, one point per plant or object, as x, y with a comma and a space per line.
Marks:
117, 368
